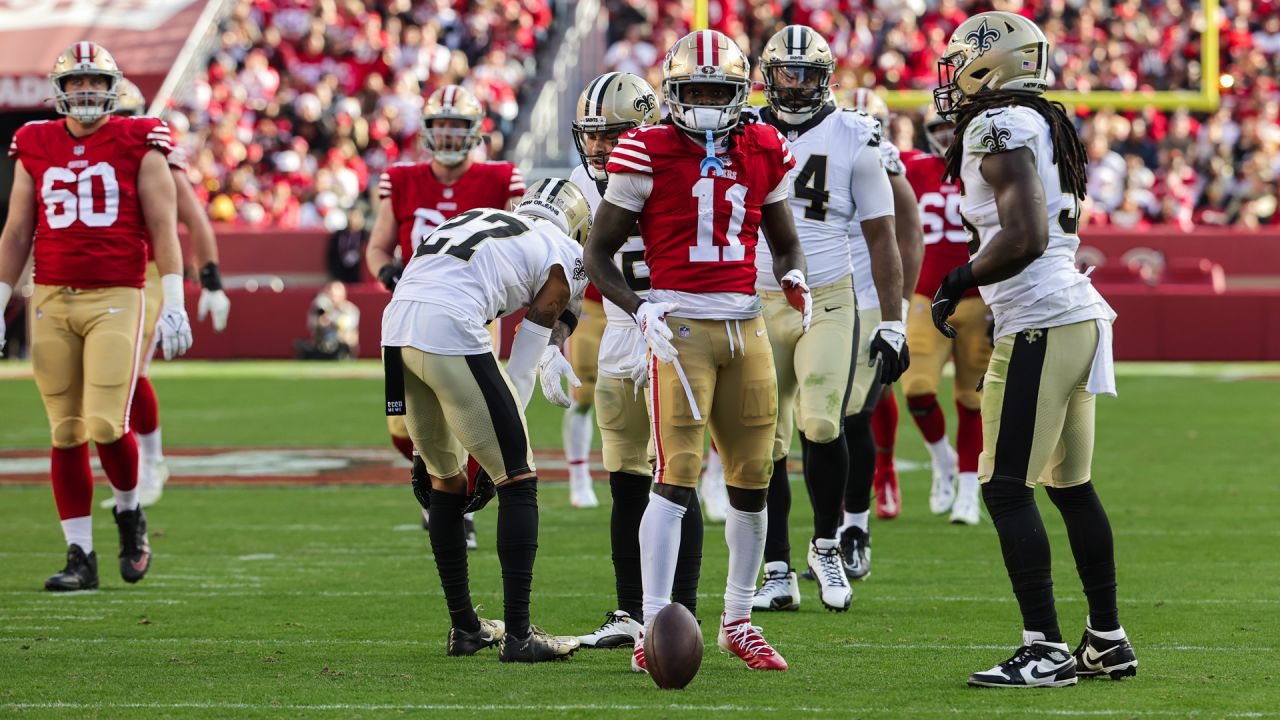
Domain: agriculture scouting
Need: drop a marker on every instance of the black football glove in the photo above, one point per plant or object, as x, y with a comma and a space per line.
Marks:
389, 275
480, 490
889, 346
953, 286
421, 482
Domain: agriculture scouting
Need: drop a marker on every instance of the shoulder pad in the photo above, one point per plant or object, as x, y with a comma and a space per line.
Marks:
1003, 129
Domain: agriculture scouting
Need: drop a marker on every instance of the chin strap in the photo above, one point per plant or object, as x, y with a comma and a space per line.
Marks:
711, 165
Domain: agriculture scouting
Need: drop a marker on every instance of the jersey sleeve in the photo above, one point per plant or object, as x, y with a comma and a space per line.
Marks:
891, 158
515, 184
178, 159
630, 155
872, 193
156, 135
384, 185
1004, 129
21, 144
629, 190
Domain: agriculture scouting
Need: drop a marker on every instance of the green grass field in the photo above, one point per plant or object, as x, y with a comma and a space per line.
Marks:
303, 601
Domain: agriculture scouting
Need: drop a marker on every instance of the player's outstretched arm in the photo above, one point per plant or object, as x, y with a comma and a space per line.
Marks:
379, 255
1024, 221
910, 234
609, 231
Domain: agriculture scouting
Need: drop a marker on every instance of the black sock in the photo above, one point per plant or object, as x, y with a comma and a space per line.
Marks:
862, 462
630, 498
517, 548
777, 546
826, 469
449, 544
684, 589
1090, 533
1026, 552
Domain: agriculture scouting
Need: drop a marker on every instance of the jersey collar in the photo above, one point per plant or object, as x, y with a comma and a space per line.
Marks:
791, 132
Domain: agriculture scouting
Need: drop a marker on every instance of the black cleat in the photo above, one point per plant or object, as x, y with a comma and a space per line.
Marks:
135, 551
1099, 656
855, 550
537, 647
463, 643
1039, 664
81, 572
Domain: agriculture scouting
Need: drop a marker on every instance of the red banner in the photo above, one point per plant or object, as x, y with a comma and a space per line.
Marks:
144, 36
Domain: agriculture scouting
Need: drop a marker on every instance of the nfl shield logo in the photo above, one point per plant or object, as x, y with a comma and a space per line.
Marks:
78, 150
792, 135
685, 332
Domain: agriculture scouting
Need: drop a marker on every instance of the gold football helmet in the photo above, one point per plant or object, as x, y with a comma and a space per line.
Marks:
869, 102
129, 100
797, 66
561, 202
939, 132
610, 105
706, 57
450, 145
991, 51
85, 58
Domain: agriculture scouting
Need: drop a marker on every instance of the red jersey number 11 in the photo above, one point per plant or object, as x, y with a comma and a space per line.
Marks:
706, 250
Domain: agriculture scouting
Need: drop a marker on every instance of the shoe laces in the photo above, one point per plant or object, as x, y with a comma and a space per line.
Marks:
748, 637
611, 619
830, 566
774, 583
1022, 656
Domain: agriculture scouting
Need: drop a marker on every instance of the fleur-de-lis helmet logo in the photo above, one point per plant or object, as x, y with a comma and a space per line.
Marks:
995, 139
644, 104
983, 38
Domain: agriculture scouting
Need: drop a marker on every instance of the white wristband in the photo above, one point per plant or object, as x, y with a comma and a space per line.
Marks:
6, 292
173, 293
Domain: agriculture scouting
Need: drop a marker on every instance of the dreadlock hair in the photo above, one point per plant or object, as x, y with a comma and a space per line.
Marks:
1068, 152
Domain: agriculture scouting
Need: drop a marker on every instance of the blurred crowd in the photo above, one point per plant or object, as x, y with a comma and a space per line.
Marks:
1146, 166
304, 101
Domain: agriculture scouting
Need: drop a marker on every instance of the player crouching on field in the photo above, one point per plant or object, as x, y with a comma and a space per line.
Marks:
1023, 169
443, 377
89, 193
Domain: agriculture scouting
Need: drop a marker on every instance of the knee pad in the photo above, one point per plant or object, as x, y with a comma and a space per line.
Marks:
104, 431
69, 433
1005, 495
819, 430
682, 467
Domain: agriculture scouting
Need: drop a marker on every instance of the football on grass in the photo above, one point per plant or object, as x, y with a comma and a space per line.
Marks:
673, 647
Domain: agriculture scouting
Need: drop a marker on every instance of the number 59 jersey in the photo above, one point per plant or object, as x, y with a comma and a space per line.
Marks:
90, 229
700, 230
1051, 291
479, 266
823, 191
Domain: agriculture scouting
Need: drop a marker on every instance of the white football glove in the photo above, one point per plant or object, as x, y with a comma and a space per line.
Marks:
173, 325
638, 371
551, 369
798, 295
652, 319
215, 305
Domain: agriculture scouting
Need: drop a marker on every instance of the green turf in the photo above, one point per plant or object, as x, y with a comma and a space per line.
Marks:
323, 602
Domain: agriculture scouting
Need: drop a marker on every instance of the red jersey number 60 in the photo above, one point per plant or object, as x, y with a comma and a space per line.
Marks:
62, 205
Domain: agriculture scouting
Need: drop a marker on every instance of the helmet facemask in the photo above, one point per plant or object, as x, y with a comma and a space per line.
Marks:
796, 91
700, 117
947, 96
595, 140
450, 138
86, 105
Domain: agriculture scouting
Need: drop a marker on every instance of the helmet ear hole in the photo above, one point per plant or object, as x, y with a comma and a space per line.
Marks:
980, 73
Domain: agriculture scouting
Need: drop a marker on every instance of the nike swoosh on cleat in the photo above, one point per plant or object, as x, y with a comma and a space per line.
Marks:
139, 564
1040, 676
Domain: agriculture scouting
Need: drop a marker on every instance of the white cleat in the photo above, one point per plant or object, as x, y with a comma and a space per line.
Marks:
619, 630
828, 569
966, 507
943, 493
715, 497
581, 493
780, 591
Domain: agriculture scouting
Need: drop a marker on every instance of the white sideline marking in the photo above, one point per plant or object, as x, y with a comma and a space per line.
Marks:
379, 642
665, 707
257, 556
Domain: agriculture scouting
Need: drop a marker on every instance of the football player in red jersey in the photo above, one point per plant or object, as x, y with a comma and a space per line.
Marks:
420, 197
701, 185
946, 247
144, 413
89, 192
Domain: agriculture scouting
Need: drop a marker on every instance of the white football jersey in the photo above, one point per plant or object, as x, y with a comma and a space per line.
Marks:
1050, 291
864, 285
622, 341
827, 195
481, 265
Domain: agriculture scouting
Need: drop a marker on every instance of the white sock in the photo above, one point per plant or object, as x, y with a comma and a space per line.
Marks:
1117, 634
939, 451
149, 448
744, 533
715, 466
858, 520
968, 483
126, 499
79, 531
659, 548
